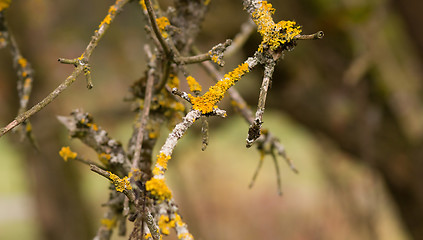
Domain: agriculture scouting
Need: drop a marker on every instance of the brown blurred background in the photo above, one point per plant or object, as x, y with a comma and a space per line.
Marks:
348, 109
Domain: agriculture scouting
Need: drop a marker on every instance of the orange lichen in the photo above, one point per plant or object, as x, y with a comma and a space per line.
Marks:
162, 23
120, 183
158, 188
208, 101
274, 35
194, 86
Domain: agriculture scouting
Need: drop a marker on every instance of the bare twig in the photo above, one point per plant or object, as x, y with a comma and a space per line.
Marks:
241, 38
143, 118
318, 35
156, 30
255, 127
98, 34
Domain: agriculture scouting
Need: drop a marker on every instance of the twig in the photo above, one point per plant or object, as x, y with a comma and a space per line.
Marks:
24, 72
130, 194
156, 30
76, 72
241, 38
241, 105
256, 172
255, 127
204, 133
88, 162
143, 118
278, 174
317, 35
23, 116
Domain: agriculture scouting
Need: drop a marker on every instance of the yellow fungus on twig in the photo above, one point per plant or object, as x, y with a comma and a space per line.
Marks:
66, 153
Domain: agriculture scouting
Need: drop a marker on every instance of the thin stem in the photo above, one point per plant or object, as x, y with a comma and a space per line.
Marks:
143, 119
98, 34
255, 127
278, 174
23, 116
193, 59
152, 17
318, 35
106, 174
257, 171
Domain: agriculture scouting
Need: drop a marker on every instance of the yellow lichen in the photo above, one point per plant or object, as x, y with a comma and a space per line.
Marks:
274, 35
152, 135
27, 82
173, 81
4, 4
120, 183
104, 158
22, 62
162, 160
29, 127
215, 59
93, 126
165, 224
185, 236
157, 171
108, 18
108, 223
143, 5
208, 101
66, 153
148, 235
194, 86
162, 23
158, 188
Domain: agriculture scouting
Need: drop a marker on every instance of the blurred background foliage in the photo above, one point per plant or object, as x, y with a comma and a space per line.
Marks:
348, 109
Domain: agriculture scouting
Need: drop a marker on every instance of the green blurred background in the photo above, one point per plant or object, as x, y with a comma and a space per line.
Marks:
347, 108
